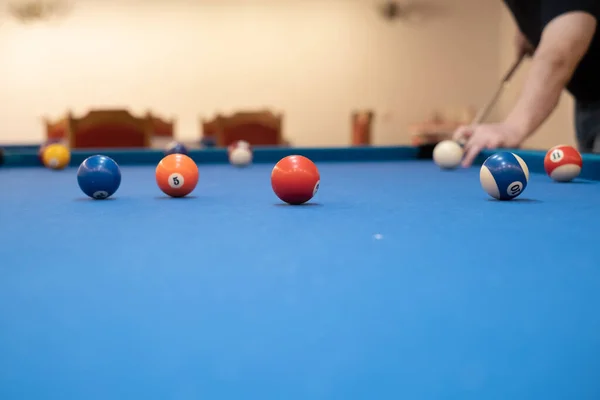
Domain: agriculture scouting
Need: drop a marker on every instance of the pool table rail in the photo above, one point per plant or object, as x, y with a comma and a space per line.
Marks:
23, 156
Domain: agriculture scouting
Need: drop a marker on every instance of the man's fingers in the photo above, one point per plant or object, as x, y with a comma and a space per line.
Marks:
472, 150
462, 134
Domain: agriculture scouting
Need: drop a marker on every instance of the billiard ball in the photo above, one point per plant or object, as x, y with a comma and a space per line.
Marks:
448, 154
238, 144
563, 163
240, 157
243, 144
99, 177
43, 147
240, 153
177, 175
295, 179
504, 175
207, 142
176, 148
56, 156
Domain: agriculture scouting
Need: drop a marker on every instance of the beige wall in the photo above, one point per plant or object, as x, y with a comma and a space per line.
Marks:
316, 60
559, 127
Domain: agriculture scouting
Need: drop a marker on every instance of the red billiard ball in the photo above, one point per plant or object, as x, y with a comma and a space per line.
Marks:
295, 179
563, 163
177, 175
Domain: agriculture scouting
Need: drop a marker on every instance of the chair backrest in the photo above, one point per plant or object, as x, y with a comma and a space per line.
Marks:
210, 127
164, 128
109, 129
56, 130
262, 128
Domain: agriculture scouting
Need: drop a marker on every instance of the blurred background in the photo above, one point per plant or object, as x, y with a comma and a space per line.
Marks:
407, 67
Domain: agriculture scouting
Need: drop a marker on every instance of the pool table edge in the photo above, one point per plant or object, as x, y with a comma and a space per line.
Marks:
267, 155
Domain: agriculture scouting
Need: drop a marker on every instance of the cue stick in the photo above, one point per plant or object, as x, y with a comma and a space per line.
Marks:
483, 113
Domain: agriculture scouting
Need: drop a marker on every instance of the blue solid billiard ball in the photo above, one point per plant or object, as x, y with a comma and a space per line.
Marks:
504, 175
175, 148
208, 142
99, 177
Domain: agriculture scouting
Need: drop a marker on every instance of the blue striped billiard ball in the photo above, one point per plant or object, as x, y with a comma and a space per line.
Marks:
504, 175
175, 148
99, 177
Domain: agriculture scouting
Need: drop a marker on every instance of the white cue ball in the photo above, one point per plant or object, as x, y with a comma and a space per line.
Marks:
243, 144
448, 154
240, 157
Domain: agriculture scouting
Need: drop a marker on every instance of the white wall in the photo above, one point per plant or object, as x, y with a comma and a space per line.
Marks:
559, 128
315, 60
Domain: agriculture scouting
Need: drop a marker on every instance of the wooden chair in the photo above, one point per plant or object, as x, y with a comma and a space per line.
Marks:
262, 128
163, 128
56, 130
208, 131
362, 122
109, 129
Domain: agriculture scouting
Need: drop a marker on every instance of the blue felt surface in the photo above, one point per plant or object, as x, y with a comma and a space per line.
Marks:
230, 295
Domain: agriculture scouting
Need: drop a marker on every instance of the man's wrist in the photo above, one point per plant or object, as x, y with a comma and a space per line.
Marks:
519, 124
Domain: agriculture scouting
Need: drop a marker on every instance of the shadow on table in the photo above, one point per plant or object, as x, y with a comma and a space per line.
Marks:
517, 200
175, 198
90, 199
577, 182
298, 205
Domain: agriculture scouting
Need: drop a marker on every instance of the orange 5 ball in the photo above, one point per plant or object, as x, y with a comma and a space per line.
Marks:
177, 175
295, 179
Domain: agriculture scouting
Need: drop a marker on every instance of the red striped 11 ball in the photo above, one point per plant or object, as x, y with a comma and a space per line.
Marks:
240, 153
563, 163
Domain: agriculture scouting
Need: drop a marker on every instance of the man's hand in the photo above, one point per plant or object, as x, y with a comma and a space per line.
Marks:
487, 136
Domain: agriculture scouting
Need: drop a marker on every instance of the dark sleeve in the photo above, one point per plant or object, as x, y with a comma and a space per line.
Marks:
555, 8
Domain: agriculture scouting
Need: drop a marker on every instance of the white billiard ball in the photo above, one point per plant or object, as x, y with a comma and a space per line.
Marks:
243, 144
240, 156
448, 154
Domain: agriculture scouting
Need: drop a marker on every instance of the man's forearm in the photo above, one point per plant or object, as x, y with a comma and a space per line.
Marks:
547, 78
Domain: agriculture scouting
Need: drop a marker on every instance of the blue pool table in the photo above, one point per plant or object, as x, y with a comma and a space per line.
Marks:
398, 281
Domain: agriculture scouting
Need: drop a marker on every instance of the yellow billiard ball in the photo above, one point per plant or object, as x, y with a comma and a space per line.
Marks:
56, 156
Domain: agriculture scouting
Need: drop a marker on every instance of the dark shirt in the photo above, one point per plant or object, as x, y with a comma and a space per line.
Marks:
532, 16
